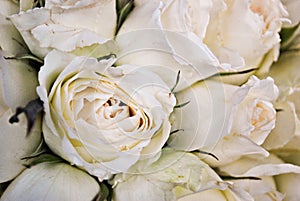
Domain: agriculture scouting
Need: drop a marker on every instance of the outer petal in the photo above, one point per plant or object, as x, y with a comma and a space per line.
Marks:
15, 145
35, 17
10, 39
186, 16
50, 27
52, 181
286, 74
287, 125
215, 194
233, 147
144, 185
264, 168
289, 185
292, 7
21, 89
205, 119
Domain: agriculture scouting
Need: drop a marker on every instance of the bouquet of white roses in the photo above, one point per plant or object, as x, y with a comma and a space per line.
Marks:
149, 100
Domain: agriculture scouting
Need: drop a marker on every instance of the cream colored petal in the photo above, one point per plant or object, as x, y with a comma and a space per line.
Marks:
28, 20
19, 82
205, 119
16, 145
285, 128
123, 191
144, 16
285, 72
10, 40
167, 53
213, 194
292, 7
273, 169
289, 185
26, 4
99, 17
8, 7
186, 16
54, 63
65, 38
233, 147
52, 181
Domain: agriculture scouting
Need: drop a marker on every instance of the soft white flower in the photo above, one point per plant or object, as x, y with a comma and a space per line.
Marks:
103, 118
285, 138
245, 28
215, 110
174, 176
17, 87
255, 116
241, 34
52, 181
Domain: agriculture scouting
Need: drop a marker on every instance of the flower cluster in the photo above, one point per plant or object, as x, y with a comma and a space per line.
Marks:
149, 100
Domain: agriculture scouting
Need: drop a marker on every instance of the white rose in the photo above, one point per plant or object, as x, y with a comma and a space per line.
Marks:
245, 28
255, 116
284, 139
17, 87
273, 172
223, 109
57, 25
241, 34
101, 118
176, 175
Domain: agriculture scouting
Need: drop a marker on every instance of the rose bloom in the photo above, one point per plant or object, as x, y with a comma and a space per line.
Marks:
255, 115
103, 118
241, 34
284, 139
247, 110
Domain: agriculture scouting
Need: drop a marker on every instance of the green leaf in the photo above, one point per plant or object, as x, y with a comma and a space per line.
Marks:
176, 82
236, 73
182, 105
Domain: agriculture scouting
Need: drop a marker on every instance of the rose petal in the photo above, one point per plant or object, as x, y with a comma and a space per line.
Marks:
52, 181
206, 117
233, 147
20, 90
288, 184
16, 145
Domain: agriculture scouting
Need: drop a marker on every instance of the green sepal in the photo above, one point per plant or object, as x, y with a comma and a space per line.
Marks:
287, 35
42, 158
123, 10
